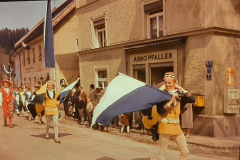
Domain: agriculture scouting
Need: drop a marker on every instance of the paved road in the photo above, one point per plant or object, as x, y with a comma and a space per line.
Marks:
26, 142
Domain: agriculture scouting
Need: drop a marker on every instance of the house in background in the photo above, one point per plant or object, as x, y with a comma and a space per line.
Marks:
29, 64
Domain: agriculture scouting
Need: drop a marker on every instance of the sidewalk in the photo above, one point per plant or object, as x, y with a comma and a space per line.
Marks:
195, 143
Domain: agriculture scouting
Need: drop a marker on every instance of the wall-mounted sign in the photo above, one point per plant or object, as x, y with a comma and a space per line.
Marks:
209, 70
229, 76
209, 64
209, 77
63, 83
231, 101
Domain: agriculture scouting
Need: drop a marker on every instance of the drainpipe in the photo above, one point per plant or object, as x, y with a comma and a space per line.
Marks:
78, 58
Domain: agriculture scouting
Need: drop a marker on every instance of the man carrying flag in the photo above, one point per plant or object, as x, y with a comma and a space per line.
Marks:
51, 109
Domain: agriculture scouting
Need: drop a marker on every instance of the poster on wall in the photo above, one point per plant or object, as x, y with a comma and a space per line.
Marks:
229, 76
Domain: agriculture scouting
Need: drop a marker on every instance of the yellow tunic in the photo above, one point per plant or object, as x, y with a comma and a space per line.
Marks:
51, 107
170, 128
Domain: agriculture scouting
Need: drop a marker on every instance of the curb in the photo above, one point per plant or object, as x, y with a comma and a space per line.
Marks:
225, 148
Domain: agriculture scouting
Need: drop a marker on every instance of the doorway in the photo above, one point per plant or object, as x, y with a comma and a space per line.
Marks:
158, 70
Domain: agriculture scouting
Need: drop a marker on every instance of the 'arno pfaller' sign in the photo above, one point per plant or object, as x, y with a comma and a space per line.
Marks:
153, 57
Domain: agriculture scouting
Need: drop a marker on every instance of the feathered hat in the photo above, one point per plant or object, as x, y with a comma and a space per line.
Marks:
6, 80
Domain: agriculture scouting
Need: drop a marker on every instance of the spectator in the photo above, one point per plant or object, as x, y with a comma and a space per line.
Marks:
90, 109
83, 94
92, 93
71, 103
125, 122
76, 99
138, 120
187, 118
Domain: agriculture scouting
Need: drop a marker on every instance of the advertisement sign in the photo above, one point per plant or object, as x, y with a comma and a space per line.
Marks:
229, 76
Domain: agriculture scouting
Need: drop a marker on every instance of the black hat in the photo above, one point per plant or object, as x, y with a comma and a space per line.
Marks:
92, 86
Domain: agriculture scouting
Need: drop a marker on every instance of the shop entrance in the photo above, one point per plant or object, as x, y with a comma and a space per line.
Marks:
157, 71
139, 72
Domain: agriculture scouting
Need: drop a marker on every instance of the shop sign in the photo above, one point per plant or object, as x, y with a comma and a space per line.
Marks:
153, 57
209, 65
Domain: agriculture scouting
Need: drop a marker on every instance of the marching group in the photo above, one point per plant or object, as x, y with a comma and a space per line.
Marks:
78, 104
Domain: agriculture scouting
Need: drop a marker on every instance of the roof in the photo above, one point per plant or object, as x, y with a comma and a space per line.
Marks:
57, 15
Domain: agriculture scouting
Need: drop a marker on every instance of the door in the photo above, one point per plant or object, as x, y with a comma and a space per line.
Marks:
157, 71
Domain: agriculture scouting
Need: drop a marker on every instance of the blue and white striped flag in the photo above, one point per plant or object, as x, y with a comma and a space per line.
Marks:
125, 95
48, 39
66, 91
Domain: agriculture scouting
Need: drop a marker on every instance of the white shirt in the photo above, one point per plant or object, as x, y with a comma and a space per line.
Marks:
16, 97
50, 93
7, 90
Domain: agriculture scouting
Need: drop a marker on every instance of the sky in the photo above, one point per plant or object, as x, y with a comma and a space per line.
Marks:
24, 14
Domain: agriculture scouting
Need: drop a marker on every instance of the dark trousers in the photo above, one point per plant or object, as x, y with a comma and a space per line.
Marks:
89, 115
65, 108
85, 112
20, 107
76, 114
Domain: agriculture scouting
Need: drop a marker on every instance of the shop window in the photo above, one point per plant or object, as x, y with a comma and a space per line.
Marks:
40, 52
101, 77
34, 60
139, 72
154, 13
99, 36
28, 57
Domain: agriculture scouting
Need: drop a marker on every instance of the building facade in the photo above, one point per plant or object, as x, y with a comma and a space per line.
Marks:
66, 59
196, 39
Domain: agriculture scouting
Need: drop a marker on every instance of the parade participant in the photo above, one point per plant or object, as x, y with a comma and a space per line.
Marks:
21, 104
51, 109
16, 99
6, 102
28, 96
169, 117
37, 87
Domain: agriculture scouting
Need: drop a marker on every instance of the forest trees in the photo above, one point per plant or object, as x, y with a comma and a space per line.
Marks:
9, 37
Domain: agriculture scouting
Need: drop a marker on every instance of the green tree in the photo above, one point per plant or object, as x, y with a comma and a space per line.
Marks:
9, 37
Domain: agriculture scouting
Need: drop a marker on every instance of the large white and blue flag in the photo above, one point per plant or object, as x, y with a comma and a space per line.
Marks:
125, 95
63, 94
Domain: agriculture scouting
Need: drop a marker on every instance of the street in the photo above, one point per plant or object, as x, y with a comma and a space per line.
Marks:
26, 142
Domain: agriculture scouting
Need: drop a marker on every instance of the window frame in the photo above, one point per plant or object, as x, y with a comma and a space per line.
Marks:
95, 42
28, 59
97, 31
157, 15
101, 79
40, 52
34, 55
23, 62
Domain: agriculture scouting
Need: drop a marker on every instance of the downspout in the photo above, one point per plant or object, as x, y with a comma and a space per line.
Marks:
78, 59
